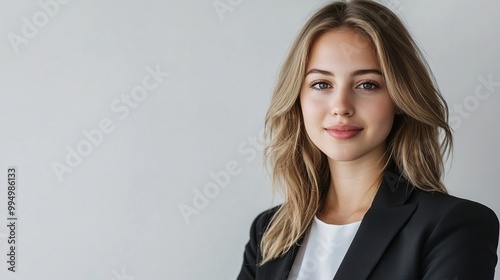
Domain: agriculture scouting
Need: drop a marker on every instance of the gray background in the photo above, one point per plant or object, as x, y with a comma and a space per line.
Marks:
117, 215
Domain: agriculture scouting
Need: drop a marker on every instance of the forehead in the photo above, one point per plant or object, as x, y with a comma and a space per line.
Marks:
342, 50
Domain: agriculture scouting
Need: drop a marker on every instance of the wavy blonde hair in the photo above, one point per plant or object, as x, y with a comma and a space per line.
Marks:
417, 144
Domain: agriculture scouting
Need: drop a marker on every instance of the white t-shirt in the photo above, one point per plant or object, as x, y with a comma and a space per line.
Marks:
322, 250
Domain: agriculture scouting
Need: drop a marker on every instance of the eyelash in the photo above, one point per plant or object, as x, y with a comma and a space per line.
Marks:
367, 82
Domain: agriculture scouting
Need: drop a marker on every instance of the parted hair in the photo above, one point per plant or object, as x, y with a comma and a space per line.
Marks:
417, 144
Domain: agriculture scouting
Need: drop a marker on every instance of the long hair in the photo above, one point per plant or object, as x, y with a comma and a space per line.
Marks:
419, 140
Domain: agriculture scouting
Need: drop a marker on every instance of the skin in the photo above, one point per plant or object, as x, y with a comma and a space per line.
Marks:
344, 85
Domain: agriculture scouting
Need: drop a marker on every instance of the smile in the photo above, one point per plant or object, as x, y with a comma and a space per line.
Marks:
343, 132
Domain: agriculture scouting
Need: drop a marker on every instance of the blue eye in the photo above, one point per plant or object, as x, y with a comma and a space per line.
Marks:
320, 85
368, 86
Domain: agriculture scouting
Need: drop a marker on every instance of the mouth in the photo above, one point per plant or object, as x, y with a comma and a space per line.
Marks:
343, 132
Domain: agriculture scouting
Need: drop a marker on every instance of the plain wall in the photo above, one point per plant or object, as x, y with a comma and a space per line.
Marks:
114, 212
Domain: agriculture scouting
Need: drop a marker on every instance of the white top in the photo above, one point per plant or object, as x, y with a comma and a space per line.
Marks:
322, 250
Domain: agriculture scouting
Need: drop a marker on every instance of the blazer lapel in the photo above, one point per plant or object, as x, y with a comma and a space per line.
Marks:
387, 215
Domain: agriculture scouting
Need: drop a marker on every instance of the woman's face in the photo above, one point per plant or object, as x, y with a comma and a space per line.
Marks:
347, 110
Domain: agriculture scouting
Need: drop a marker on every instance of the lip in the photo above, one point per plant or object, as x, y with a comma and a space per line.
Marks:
343, 131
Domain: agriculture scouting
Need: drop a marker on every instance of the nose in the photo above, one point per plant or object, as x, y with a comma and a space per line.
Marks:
342, 103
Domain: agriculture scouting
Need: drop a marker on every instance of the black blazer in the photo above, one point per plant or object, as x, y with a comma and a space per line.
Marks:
406, 234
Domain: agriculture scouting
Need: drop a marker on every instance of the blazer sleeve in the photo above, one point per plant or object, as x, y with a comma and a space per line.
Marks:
463, 244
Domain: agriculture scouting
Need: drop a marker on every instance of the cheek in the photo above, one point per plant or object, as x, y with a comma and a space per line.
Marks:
312, 111
381, 115
309, 116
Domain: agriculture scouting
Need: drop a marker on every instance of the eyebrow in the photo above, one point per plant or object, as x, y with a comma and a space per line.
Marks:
355, 73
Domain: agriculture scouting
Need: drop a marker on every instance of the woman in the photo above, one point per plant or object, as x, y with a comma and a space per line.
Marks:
357, 133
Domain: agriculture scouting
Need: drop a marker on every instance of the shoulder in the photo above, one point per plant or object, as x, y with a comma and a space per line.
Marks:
261, 222
441, 206
252, 255
446, 212
259, 227
461, 236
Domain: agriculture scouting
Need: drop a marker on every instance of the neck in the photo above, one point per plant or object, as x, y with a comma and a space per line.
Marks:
352, 188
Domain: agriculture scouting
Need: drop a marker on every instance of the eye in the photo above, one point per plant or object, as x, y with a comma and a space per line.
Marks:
368, 86
320, 85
